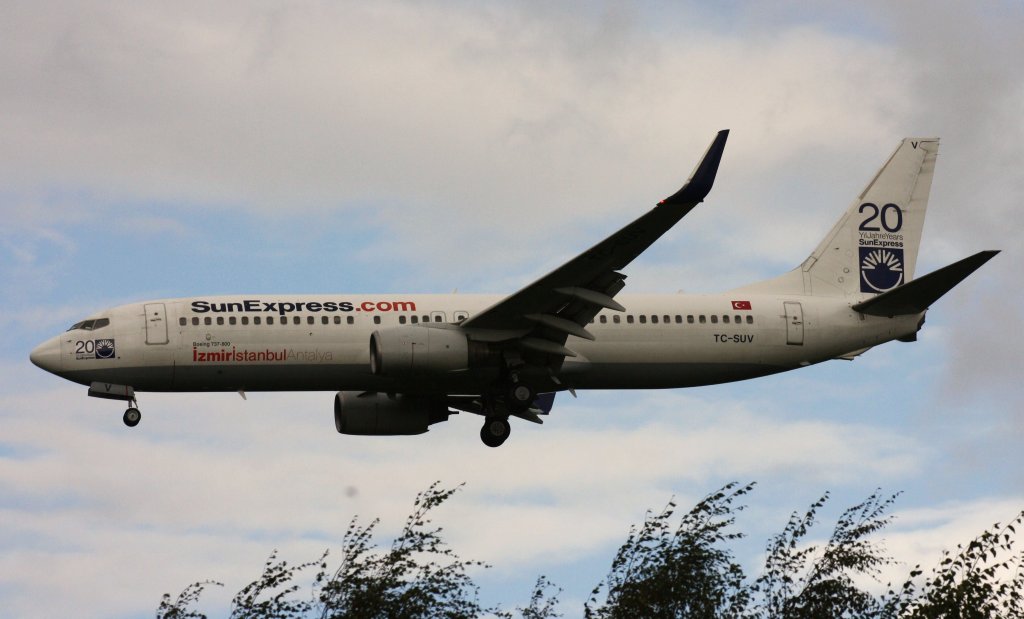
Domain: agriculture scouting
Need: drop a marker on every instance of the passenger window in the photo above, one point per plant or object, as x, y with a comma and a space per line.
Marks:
245, 320
679, 319
714, 319
325, 320
284, 320
629, 318
616, 319
725, 319
376, 320
460, 315
255, 320
438, 318
654, 319
738, 319
310, 320
232, 320
643, 319
689, 318
603, 319
195, 321
666, 318
750, 320
337, 320
350, 320
426, 319
401, 320
182, 321
415, 319
270, 320
207, 321
703, 319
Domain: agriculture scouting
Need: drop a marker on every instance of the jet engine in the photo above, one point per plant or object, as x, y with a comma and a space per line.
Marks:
403, 351
379, 414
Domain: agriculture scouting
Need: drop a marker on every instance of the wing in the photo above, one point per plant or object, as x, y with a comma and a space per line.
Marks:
538, 319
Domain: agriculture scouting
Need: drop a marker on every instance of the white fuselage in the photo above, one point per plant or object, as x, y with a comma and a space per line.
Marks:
321, 342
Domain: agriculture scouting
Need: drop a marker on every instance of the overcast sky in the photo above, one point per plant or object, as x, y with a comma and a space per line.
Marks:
152, 150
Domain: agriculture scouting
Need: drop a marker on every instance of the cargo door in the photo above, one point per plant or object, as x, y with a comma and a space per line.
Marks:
156, 323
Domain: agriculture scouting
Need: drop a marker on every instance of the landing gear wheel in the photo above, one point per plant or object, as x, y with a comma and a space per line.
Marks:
520, 397
132, 417
495, 431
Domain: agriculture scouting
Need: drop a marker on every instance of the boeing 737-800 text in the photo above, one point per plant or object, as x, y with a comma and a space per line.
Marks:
402, 363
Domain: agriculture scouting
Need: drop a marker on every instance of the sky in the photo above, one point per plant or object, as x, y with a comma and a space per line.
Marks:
151, 151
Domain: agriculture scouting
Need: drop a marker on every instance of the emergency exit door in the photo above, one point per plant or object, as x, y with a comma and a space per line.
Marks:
156, 323
794, 323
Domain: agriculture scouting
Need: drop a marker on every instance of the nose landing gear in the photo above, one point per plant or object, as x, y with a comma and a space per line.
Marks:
110, 391
132, 416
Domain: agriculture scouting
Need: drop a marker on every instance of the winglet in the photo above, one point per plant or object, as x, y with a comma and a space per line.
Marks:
703, 177
918, 294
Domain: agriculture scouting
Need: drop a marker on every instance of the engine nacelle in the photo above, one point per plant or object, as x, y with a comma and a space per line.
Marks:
382, 414
402, 351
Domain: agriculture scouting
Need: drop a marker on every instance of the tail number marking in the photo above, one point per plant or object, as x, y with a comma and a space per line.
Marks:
735, 338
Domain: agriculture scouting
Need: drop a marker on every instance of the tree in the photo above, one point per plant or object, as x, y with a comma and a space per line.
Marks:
984, 579
659, 572
663, 570
418, 576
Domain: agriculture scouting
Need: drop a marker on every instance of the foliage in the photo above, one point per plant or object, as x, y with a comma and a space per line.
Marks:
663, 570
418, 576
805, 581
970, 583
542, 605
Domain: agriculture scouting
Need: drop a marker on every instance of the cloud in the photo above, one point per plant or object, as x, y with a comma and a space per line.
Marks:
400, 145
546, 124
209, 477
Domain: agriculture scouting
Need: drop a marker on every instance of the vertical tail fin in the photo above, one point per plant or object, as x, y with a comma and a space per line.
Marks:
873, 247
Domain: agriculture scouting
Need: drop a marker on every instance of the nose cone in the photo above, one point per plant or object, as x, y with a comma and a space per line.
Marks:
47, 355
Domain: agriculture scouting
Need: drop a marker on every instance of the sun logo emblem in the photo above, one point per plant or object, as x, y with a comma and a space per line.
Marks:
880, 269
104, 349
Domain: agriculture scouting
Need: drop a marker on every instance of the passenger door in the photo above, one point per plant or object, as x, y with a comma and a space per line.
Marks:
156, 323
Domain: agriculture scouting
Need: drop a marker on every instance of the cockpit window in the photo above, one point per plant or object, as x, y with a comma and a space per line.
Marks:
90, 325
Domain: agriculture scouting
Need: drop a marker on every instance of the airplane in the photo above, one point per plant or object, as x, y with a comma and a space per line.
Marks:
402, 363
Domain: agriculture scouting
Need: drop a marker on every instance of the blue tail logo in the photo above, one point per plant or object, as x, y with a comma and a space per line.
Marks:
880, 269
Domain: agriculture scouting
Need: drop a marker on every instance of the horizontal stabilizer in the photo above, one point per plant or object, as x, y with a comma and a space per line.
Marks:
917, 295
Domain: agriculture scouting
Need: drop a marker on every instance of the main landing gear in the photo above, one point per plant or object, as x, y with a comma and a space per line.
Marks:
514, 399
495, 431
519, 397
